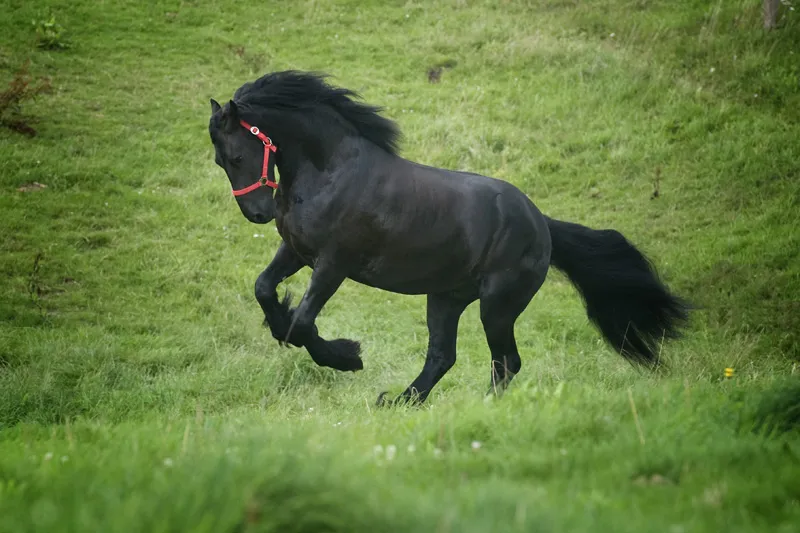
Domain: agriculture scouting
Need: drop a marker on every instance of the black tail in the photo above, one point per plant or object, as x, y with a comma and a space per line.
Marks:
623, 295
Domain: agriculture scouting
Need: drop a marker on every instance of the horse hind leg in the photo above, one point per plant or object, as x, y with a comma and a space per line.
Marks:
504, 296
443, 313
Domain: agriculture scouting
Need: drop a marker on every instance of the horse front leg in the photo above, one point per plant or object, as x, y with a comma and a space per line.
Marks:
276, 313
340, 354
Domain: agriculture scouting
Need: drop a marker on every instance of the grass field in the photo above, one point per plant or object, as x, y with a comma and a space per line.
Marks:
139, 392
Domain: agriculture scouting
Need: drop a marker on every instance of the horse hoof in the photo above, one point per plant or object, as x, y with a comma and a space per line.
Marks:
404, 400
349, 364
381, 401
343, 354
339, 354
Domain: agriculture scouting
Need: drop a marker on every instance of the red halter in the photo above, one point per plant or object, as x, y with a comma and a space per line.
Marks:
268, 147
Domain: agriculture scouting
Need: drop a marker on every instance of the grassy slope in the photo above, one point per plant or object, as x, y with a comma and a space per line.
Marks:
138, 392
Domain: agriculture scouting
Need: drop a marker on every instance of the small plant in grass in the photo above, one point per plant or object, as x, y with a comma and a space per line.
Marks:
21, 88
50, 35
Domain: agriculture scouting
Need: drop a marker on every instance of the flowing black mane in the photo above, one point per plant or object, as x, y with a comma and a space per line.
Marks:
302, 91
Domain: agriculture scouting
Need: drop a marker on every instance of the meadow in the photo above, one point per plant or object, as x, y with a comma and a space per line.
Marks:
140, 392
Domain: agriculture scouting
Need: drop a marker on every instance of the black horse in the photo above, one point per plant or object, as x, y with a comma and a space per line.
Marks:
349, 207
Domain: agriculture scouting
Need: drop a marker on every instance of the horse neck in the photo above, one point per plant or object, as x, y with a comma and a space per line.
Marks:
313, 161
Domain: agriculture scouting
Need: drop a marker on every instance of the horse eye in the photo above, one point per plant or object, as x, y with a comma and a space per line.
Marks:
237, 159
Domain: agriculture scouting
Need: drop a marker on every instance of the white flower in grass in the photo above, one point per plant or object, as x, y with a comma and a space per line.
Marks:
391, 450
411, 448
437, 452
48, 456
377, 449
64, 458
168, 462
476, 445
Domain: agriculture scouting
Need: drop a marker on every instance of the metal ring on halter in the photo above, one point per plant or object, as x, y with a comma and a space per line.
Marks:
263, 180
268, 142
254, 130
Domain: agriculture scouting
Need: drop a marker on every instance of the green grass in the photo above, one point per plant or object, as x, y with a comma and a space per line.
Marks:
138, 391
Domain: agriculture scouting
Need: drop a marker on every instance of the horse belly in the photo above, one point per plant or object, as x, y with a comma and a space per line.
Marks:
416, 275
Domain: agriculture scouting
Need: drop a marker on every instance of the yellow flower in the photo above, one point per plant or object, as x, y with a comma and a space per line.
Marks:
728, 372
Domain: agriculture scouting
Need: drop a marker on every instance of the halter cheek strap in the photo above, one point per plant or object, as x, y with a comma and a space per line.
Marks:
268, 147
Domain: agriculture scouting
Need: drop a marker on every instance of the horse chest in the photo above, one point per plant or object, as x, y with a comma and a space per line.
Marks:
292, 232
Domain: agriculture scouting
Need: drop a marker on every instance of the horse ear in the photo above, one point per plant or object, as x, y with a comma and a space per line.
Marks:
231, 115
233, 111
215, 106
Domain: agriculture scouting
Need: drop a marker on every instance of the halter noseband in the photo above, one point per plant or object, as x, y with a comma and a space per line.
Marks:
268, 147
